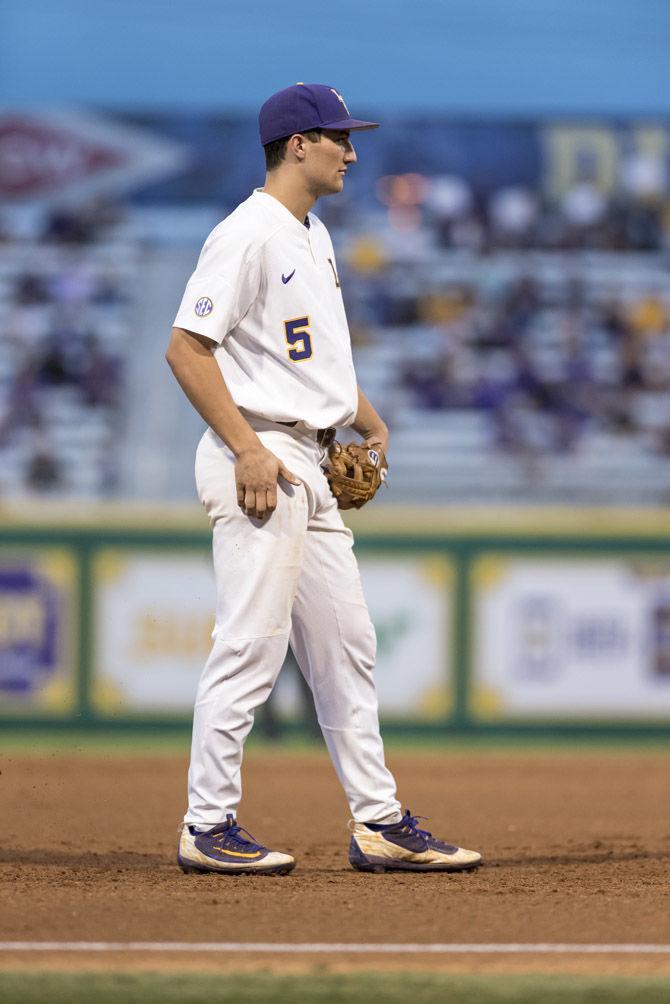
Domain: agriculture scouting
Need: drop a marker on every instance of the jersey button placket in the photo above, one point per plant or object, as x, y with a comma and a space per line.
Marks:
311, 248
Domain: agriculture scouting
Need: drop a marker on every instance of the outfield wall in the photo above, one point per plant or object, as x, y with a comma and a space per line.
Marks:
528, 621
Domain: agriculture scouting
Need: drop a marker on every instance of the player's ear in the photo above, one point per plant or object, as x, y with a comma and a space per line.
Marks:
297, 146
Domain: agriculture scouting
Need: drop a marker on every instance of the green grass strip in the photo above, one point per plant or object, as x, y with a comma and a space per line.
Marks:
382, 988
136, 742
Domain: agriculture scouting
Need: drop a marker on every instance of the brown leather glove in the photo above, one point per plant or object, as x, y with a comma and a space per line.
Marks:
354, 473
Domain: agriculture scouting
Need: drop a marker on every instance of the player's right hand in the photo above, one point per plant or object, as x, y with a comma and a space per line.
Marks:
257, 471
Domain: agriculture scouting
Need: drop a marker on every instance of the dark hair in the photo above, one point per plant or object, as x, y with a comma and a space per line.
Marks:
276, 150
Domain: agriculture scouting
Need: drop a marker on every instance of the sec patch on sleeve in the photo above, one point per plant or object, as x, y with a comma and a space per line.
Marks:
204, 306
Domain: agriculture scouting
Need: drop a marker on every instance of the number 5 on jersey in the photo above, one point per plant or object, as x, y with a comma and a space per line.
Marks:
299, 338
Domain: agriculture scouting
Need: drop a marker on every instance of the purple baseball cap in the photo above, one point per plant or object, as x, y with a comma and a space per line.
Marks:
303, 107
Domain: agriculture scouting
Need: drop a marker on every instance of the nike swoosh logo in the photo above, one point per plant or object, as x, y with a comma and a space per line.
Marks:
287, 278
237, 854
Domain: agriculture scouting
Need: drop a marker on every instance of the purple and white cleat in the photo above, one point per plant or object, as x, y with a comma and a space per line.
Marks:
403, 846
229, 849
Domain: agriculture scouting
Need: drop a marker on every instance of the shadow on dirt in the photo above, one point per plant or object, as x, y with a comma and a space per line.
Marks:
103, 860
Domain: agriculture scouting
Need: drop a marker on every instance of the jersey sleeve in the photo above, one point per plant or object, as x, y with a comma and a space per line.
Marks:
223, 287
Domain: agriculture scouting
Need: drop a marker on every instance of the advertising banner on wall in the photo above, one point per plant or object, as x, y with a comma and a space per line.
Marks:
411, 602
570, 637
154, 617
49, 155
38, 597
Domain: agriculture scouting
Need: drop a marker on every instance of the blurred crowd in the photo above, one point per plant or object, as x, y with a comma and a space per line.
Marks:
547, 314
628, 212
61, 356
551, 317
546, 355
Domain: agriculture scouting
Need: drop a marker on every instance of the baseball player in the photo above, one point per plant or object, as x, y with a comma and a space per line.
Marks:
261, 348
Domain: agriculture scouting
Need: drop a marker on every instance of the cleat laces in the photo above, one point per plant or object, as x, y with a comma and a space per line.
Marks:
410, 824
230, 836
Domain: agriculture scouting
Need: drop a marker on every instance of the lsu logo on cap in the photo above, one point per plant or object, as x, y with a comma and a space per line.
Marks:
340, 98
204, 306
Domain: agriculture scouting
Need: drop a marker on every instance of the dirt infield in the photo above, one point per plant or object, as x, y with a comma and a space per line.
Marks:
577, 848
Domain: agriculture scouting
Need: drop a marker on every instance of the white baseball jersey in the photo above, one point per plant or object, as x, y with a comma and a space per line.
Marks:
266, 291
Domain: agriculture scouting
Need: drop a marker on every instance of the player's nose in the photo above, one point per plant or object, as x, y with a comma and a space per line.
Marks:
350, 155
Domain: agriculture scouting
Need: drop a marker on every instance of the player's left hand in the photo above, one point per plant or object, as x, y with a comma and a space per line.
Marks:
377, 441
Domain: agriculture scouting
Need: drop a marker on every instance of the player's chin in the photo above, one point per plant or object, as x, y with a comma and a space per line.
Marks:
334, 186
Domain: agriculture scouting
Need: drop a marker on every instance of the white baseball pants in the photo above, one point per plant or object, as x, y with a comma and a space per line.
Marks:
293, 577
